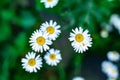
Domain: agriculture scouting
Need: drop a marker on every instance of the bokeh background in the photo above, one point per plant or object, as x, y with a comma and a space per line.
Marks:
19, 18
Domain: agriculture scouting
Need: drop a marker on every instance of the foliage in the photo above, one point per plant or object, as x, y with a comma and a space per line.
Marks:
19, 18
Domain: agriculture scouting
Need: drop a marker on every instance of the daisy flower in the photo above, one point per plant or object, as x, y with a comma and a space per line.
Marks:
113, 71
49, 3
104, 33
110, 69
39, 41
51, 28
80, 39
105, 65
115, 20
78, 78
53, 57
113, 56
31, 63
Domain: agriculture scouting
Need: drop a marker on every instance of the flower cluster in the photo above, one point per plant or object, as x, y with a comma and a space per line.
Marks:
40, 41
109, 68
42, 38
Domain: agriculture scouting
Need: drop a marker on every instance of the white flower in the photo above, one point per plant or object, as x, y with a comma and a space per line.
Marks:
110, 69
115, 20
39, 41
78, 78
104, 33
31, 63
53, 57
49, 3
105, 65
52, 28
113, 56
80, 39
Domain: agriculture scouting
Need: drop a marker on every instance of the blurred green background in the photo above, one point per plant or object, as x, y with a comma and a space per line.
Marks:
19, 18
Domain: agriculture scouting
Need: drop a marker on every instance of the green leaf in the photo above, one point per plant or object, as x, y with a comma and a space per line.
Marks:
5, 31
39, 6
21, 42
7, 14
26, 20
4, 2
5, 70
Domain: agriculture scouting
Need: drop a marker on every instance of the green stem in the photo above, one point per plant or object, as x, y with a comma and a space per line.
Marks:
77, 63
61, 72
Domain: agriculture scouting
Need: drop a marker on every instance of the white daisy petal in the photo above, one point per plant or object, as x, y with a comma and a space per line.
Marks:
110, 69
53, 57
115, 20
31, 63
80, 39
39, 40
113, 56
51, 28
49, 3
78, 78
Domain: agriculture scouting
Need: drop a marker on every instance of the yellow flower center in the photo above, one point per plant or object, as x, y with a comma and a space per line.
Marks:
50, 30
52, 56
113, 71
49, 0
40, 40
31, 62
115, 54
79, 37
112, 79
